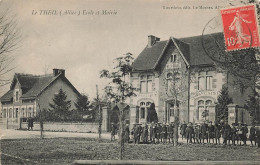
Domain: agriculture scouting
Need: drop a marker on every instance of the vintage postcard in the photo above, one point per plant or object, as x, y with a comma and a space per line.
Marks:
129, 82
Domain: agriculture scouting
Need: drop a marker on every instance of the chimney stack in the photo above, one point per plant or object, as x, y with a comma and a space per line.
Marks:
152, 40
56, 72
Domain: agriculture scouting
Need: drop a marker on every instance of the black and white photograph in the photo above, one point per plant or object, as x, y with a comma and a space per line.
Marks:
129, 82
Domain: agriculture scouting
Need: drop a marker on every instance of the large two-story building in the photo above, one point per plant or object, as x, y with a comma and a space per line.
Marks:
30, 93
198, 81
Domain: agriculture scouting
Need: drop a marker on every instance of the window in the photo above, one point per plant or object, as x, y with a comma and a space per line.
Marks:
208, 102
144, 106
142, 113
22, 113
202, 106
10, 112
149, 84
209, 80
16, 95
201, 83
173, 58
4, 113
171, 110
205, 80
169, 78
16, 112
146, 83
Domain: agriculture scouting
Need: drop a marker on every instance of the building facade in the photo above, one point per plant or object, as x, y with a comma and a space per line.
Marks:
180, 79
30, 93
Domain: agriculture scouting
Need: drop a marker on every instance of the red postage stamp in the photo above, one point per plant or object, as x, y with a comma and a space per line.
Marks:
240, 27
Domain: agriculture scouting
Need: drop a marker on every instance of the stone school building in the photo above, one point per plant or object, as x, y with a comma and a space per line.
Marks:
199, 86
29, 92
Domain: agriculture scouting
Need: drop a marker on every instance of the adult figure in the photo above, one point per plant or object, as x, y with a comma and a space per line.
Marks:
28, 123
164, 133
151, 131
244, 133
252, 134
217, 129
189, 133
31, 123
154, 134
170, 132
258, 137
204, 131
113, 131
239, 133
211, 132
139, 132
197, 133
233, 134
183, 129
226, 132
136, 132
145, 134
159, 132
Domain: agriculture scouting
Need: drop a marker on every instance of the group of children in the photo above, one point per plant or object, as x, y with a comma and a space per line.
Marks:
208, 132
236, 134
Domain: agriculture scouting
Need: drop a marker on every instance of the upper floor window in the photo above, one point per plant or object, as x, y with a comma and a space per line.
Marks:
146, 83
173, 58
169, 80
16, 96
205, 80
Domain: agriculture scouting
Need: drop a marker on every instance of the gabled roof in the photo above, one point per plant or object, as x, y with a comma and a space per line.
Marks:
33, 85
8, 96
190, 48
149, 56
198, 55
38, 86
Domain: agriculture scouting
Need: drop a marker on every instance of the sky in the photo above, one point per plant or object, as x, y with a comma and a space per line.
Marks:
85, 44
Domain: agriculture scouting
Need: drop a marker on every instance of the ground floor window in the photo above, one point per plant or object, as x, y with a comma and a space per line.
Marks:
4, 115
203, 107
144, 106
16, 112
10, 113
142, 113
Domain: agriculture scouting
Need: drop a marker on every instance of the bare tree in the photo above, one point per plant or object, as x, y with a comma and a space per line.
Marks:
176, 83
10, 38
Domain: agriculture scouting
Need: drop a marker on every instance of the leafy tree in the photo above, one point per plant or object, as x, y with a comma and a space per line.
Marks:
119, 89
152, 114
82, 105
253, 106
223, 100
61, 105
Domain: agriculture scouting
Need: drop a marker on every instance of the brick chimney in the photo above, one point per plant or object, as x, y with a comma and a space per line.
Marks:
152, 40
56, 72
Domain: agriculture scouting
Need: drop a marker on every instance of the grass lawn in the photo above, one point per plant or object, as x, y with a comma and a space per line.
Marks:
66, 150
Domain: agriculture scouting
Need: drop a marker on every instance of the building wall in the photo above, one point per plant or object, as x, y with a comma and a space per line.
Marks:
143, 97
197, 94
181, 95
29, 108
46, 97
